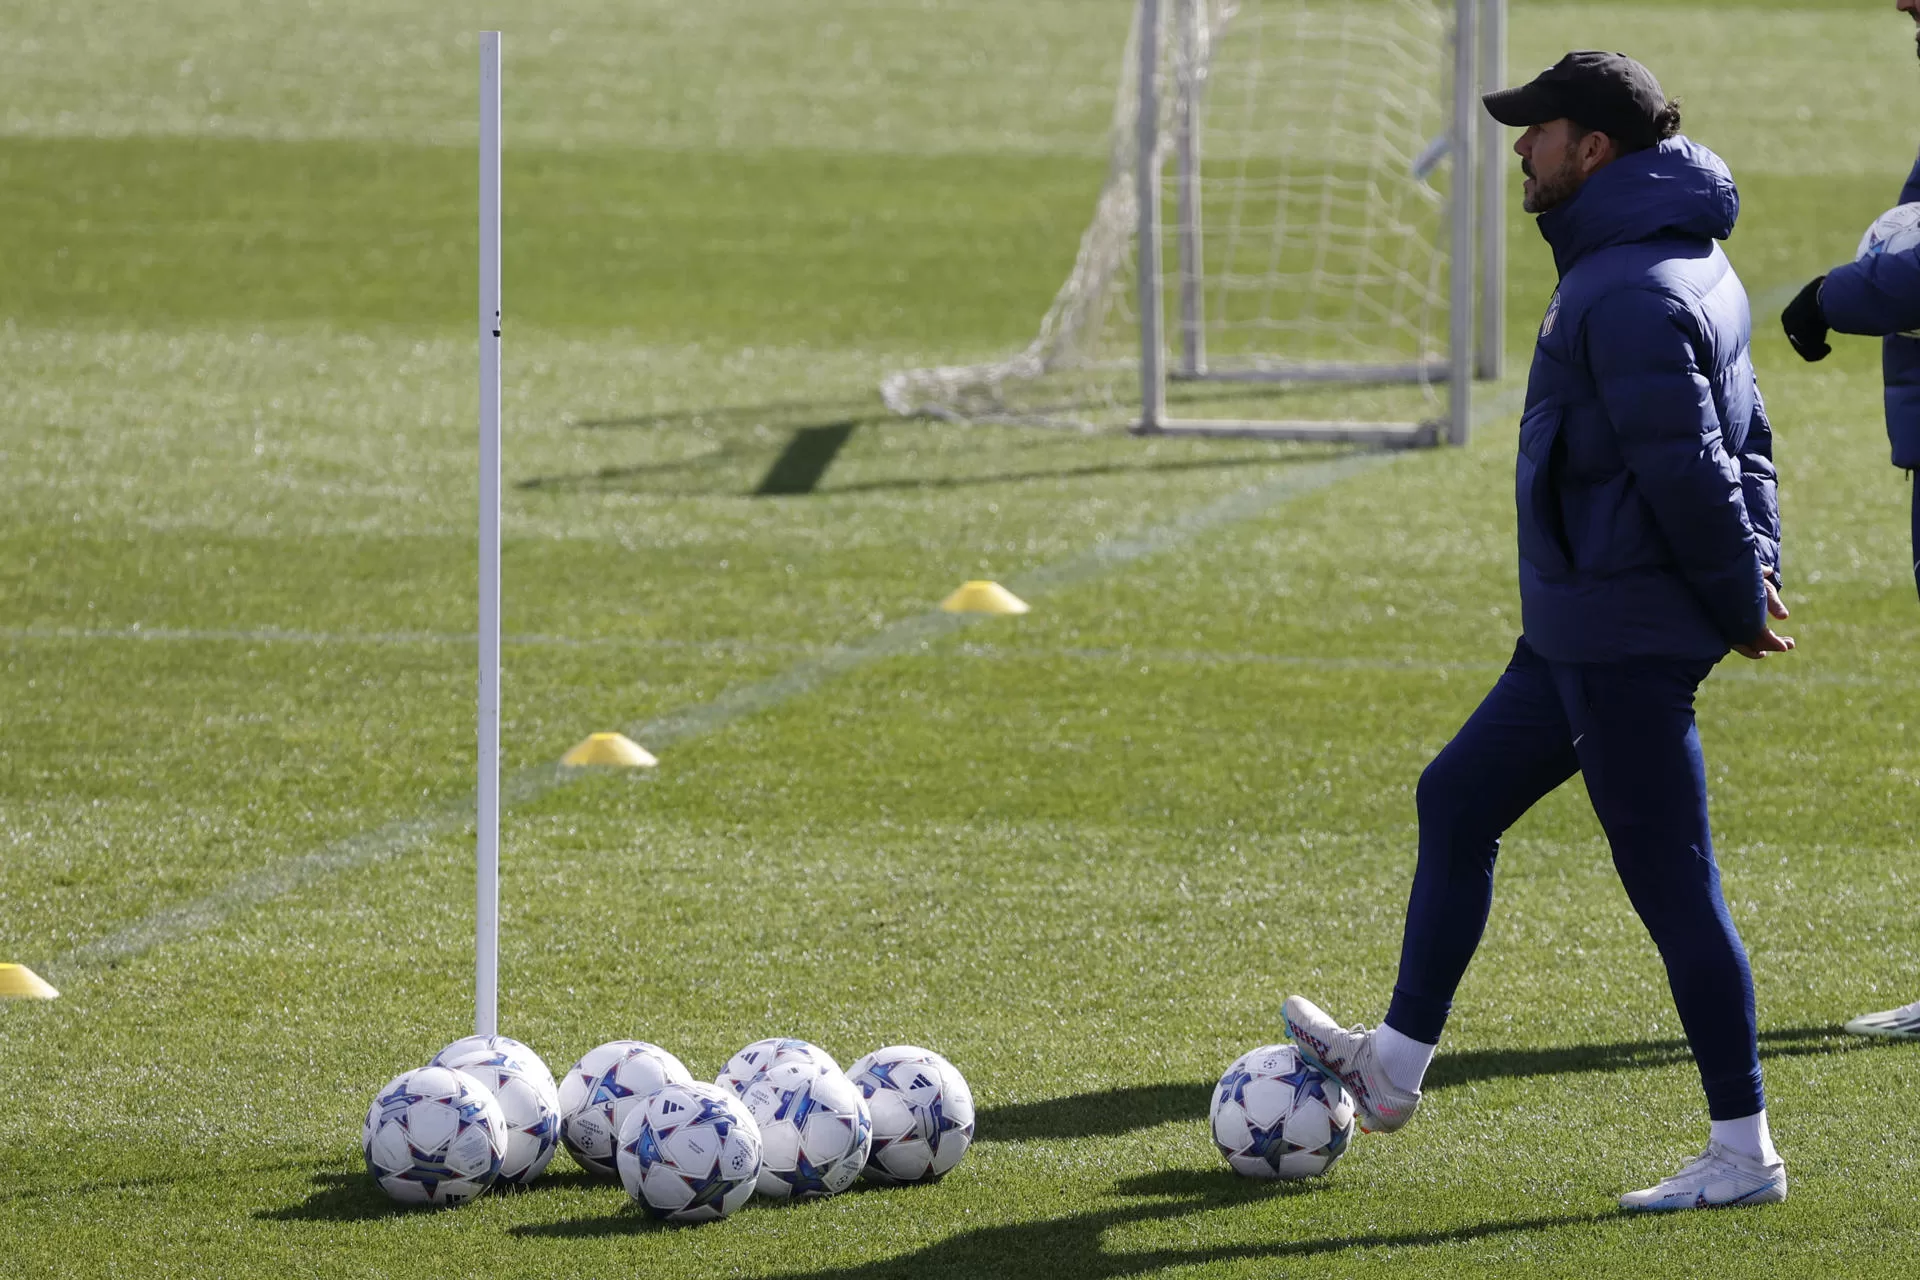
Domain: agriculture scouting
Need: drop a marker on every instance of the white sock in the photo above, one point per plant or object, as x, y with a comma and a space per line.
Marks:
1403, 1058
1748, 1135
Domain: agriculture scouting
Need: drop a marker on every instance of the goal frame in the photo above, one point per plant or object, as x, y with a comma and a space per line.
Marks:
1476, 266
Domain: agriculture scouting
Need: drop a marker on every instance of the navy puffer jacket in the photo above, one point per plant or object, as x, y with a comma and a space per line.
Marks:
1645, 486
1881, 296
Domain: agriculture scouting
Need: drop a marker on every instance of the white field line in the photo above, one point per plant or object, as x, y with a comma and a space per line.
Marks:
1787, 671
909, 635
350, 639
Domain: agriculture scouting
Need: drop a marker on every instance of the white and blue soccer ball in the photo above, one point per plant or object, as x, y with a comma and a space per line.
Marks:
1275, 1116
752, 1062
922, 1114
475, 1049
689, 1152
601, 1089
522, 1085
434, 1136
815, 1129
1895, 231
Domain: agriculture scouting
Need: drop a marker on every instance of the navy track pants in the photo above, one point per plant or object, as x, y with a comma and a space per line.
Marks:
1628, 729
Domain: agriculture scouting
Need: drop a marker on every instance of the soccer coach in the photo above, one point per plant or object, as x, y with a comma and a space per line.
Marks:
1878, 296
1649, 547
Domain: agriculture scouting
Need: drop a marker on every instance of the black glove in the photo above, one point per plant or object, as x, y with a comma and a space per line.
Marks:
1806, 323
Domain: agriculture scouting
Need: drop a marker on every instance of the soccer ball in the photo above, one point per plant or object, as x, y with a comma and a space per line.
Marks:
490, 1049
1275, 1116
922, 1114
689, 1152
815, 1129
434, 1136
602, 1088
522, 1086
752, 1062
1895, 231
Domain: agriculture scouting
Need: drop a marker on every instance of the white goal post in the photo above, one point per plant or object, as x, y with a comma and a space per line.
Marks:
1335, 199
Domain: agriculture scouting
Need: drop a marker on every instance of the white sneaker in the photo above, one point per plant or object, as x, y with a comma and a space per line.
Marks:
1717, 1176
1898, 1024
1349, 1056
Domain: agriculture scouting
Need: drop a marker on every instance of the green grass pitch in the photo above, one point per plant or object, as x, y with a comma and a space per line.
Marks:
1084, 853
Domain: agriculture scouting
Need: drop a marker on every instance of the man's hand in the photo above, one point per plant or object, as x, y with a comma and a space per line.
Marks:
1806, 326
1767, 642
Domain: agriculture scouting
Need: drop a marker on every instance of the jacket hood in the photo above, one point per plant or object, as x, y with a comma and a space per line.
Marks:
1678, 188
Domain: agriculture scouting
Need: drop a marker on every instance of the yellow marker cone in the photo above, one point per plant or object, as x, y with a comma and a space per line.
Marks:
983, 597
610, 748
18, 982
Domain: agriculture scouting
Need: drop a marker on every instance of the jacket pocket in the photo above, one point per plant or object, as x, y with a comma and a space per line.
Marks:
1543, 534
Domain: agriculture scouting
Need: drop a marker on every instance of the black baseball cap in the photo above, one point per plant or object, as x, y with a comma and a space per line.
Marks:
1606, 92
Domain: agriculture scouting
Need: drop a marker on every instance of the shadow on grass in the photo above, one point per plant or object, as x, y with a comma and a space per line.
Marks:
629, 1219
186, 1175
1627, 1055
351, 1196
735, 415
1081, 472
811, 434
1123, 1110
340, 1197
802, 464
1071, 1246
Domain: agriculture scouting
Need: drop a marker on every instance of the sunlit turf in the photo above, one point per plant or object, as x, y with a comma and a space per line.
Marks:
1084, 852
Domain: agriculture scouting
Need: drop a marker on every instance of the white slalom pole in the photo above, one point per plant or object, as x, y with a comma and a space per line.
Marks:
486, 979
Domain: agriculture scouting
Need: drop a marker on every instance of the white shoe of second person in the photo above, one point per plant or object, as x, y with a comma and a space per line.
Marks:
1349, 1056
1716, 1178
1896, 1024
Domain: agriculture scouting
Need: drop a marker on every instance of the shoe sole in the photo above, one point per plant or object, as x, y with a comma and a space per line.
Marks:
1881, 1033
1743, 1202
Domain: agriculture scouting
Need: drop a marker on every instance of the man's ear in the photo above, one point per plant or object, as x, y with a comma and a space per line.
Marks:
1597, 150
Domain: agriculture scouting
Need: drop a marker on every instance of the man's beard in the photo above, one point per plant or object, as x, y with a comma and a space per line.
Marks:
1552, 188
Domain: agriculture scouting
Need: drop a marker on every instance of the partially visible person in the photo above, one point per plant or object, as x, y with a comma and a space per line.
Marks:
1877, 297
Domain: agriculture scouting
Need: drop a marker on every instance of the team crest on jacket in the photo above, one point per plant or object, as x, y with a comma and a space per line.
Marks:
1553, 314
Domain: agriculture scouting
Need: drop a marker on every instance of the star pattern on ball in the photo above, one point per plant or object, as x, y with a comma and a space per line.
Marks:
796, 1105
1268, 1144
881, 1074
940, 1124
607, 1089
716, 1115
806, 1179
1306, 1083
472, 1112
393, 1105
645, 1146
426, 1169
709, 1190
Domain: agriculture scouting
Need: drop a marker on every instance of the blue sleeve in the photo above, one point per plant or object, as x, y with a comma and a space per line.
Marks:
1641, 349
1875, 296
1880, 295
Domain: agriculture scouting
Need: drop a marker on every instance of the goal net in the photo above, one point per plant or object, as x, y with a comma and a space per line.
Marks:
1290, 186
